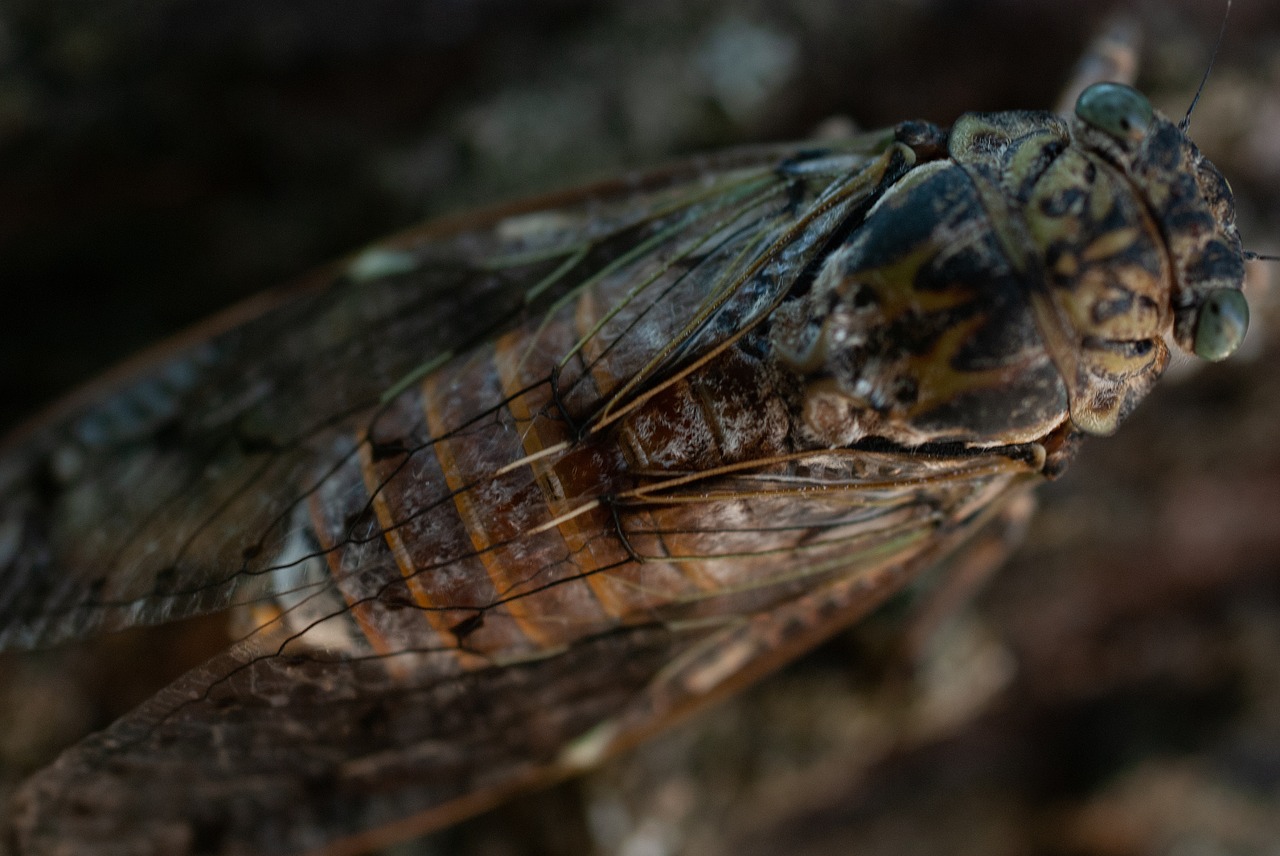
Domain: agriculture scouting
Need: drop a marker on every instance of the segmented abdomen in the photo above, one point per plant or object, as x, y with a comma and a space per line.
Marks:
519, 499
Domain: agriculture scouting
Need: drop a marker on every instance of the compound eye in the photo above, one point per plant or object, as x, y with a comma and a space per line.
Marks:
1115, 109
1221, 325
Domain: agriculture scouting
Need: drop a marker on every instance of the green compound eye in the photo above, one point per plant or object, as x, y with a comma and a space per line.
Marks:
1223, 320
1115, 109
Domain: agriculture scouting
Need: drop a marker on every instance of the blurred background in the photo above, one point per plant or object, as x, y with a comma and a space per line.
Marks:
1114, 691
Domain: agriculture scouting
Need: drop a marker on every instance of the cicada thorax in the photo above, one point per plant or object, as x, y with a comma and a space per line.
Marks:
919, 328
1099, 279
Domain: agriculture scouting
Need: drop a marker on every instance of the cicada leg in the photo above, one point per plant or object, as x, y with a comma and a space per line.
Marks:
1111, 56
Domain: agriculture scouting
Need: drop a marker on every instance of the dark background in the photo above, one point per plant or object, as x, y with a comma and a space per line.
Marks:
1115, 691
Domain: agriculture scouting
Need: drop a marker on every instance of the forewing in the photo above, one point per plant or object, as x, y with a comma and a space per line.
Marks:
173, 489
275, 748
184, 487
280, 755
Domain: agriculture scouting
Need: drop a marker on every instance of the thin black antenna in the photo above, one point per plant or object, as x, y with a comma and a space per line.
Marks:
1222, 31
1251, 256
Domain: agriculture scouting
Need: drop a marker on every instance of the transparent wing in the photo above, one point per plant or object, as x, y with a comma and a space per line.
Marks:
372, 406
172, 489
267, 751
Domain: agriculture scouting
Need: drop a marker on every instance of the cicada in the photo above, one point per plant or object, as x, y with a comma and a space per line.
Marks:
501, 496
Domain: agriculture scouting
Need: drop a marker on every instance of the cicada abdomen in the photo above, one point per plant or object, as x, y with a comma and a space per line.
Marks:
505, 494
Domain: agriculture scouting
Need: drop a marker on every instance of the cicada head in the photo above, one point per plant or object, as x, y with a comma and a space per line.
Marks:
1190, 203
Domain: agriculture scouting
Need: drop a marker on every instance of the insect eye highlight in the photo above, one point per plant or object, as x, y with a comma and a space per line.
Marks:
1221, 325
1115, 109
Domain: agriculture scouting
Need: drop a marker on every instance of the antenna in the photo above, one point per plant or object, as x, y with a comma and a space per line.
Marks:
1251, 256
1222, 31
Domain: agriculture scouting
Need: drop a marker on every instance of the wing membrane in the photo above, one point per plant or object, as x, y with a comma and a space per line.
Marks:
213, 479
172, 492
267, 750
